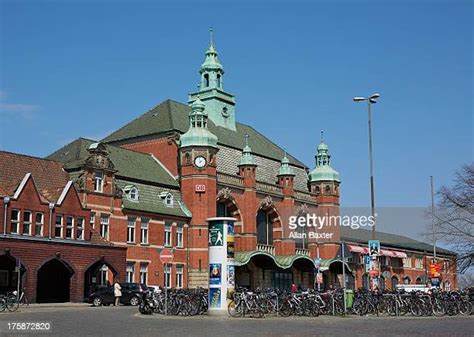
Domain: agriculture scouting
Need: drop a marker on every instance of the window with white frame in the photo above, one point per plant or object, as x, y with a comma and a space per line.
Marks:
419, 263
15, 221
80, 229
144, 231
26, 222
130, 271
133, 194
446, 266
144, 272
98, 181
104, 275
179, 275
92, 220
383, 260
104, 226
169, 200
69, 227
131, 230
58, 226
167, 275
179, 235
39, 222
407, 262
168, 234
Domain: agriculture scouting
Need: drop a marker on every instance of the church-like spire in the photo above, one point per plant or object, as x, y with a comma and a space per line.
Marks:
211, 70
247, 158
323, 170
285, 168
198, 134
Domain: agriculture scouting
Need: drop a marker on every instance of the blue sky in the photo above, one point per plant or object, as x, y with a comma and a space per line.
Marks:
82, 68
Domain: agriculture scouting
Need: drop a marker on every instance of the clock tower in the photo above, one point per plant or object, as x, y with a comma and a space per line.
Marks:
197, 153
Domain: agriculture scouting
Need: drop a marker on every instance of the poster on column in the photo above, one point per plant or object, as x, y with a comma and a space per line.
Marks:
215, 273
216, 234
231, 276
214, 297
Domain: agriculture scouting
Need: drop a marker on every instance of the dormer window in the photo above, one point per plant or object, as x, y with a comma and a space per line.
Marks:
98, 181
169, 200
133, 194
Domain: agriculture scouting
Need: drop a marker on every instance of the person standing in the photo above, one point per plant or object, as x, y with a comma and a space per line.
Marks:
117, 292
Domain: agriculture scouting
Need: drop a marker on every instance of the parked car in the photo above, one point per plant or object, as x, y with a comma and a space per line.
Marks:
131, 294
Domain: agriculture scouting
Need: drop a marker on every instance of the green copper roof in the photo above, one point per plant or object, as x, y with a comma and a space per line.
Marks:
129, 164
323, 170
247, 158
211, 61
198, 133
285, 168
171, 116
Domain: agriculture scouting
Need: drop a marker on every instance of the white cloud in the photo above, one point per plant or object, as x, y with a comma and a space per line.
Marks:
18, 109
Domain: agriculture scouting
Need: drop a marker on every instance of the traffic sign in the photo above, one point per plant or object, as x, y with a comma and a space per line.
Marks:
166, 256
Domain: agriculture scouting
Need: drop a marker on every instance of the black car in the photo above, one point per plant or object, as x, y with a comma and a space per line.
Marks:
131, 294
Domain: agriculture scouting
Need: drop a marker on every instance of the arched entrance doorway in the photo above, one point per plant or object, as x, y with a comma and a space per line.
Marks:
100, 273
53, 282
9, 274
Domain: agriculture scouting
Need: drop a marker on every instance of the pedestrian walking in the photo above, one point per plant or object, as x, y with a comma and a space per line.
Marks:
117, 292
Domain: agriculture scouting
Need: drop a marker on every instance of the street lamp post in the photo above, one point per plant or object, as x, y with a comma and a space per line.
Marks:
372, 99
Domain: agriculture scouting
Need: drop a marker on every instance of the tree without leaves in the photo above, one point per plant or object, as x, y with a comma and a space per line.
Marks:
454, 219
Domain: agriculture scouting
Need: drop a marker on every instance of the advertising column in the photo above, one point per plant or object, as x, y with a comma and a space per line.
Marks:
221, 263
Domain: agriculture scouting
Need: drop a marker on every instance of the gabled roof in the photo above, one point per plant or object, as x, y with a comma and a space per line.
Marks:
173, 116
363, 236
49, 176
129, 164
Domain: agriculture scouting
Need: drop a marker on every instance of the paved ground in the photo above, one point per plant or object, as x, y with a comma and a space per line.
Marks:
126, 321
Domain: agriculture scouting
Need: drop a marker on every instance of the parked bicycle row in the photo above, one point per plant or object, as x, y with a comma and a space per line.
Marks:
185, 302
259, 303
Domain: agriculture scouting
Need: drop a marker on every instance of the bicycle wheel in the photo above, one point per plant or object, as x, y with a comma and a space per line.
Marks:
12, 303
3, 304
465, 308
234, 309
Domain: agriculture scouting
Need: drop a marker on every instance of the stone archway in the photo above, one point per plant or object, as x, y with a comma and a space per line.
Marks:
9, 274
92, 275
227, 205
54, 281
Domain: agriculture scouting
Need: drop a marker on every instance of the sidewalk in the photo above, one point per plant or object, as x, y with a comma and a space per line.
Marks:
58, 305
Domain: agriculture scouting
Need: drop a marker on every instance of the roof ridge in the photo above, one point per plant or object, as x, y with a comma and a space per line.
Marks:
31, 156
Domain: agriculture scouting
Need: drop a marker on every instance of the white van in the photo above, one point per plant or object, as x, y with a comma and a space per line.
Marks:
413, 287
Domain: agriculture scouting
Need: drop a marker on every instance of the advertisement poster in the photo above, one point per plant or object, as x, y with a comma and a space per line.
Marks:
216, 234
374, 247
214, 297
215, 273
231, 276
230, 249
230, 228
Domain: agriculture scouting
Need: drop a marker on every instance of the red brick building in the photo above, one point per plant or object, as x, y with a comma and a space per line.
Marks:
153, 183
46, 233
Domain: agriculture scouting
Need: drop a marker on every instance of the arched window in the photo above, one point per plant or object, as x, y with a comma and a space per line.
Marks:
206, 80
169, 200
406, 280
419, 280
223, 210
133, 194
302, 240
264, 228
218, 80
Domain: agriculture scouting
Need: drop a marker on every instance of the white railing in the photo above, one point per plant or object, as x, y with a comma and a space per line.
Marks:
301, 251
266, 248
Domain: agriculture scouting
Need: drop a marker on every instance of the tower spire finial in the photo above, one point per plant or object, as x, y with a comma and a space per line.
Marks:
322, 136
211, 31
247, 140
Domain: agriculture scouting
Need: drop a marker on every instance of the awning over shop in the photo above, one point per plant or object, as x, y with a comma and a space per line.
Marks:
326, 263
384, 252
283, 262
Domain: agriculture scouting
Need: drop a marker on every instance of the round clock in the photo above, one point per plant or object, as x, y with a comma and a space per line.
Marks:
200, 161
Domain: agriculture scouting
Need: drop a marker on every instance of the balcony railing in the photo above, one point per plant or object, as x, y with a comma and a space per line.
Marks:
304, 195
228, 179
266, 248
269, 188
301, 251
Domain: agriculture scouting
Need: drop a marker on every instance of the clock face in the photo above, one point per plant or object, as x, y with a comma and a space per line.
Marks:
200, 161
